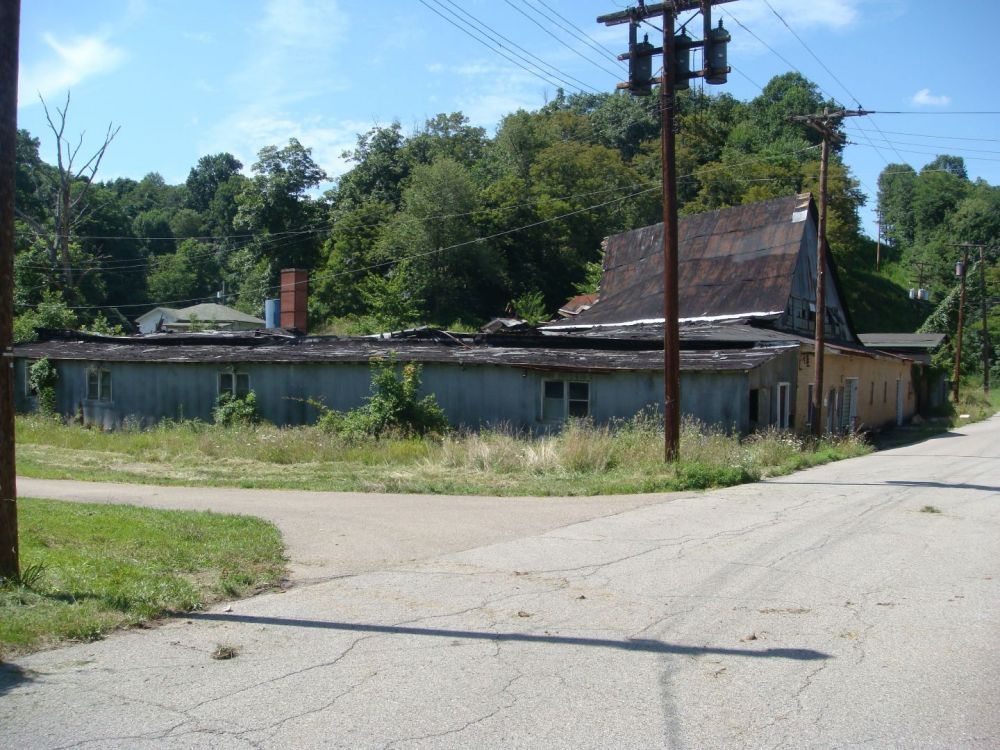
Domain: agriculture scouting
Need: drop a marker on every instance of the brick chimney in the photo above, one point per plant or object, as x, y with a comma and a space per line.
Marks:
294, 299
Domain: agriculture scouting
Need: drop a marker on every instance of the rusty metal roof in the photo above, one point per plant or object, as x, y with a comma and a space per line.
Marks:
275, 349
732, 262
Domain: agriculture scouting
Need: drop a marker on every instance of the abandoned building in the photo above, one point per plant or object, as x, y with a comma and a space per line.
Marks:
747, 280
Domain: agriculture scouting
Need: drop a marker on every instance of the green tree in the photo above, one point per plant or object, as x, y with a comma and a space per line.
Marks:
205, 178
190, 273
896, 184
276, 203
455, 276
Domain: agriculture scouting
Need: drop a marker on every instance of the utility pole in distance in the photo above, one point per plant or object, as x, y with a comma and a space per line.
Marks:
960, 269
823, 124
985, 344
676, 51
10, 22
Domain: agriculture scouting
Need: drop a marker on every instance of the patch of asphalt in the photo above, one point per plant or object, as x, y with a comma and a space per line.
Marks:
332, 534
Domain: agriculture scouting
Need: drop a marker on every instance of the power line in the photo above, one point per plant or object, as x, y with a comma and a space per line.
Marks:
541, 75
567, 46
928, 153
792, 65
814, 55
374, 266
920, 112
941, 137
487, 30
502, 233
952, 148
829, 72
584, 37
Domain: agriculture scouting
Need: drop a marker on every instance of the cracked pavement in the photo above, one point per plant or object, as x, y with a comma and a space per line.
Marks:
822, 609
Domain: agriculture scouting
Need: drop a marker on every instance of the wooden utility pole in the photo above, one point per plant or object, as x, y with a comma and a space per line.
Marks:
878, 238
823, 124
10, 23
960, 270
676, 71
985, 344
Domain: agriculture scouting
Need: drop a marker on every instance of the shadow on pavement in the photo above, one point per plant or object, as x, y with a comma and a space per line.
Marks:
897, 483
651, 646
11, 676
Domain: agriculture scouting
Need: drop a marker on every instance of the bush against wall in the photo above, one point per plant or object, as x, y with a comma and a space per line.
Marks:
42, 377
231, 410
392, 407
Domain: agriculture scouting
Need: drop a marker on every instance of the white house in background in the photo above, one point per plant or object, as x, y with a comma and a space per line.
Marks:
208, 315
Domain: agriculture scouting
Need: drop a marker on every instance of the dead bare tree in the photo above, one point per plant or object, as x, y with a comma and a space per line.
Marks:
67, 188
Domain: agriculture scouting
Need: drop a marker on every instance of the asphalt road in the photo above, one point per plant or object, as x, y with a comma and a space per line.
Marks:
824, 609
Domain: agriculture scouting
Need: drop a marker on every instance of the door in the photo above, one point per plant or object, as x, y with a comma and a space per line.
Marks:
850, 408
899, 402
783, 395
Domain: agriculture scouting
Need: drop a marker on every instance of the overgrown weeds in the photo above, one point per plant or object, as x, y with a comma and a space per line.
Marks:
582, 458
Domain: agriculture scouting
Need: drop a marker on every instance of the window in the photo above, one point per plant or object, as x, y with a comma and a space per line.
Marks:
784, 389
98, 385
234, 383
561, 399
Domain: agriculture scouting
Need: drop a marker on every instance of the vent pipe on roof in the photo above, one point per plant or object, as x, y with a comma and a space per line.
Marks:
294, 299
272, 313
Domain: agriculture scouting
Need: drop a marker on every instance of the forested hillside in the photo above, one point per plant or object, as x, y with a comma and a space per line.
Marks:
450, 225
928, 213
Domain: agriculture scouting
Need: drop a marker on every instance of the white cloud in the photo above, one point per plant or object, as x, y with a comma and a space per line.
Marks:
925, 98
294, 23
487, 110
801, 16
245, 134
73, 62
806, 18
202, 37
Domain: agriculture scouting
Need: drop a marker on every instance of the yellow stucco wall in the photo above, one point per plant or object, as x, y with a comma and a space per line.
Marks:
877, 375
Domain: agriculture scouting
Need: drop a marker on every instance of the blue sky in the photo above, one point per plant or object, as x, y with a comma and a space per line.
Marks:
184, 79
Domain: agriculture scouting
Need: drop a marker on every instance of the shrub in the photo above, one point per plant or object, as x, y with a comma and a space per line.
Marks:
43, 377
392, 407
233, 410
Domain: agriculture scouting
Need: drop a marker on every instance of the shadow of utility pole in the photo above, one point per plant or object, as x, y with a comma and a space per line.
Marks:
647, 645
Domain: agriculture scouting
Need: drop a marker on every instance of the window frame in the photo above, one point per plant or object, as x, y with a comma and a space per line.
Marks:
234, 389
567, 399
782, 414
104, 382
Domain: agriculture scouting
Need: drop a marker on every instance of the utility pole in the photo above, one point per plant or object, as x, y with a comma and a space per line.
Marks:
823, 124
878, 238
960, 270
985, 345
677, 71
10, 22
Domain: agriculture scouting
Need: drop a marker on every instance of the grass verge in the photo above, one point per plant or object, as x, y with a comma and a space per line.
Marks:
582, 460
88, 569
